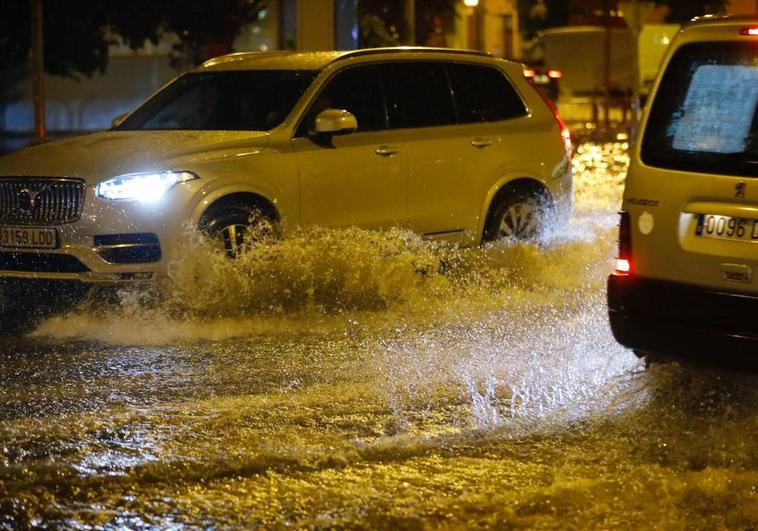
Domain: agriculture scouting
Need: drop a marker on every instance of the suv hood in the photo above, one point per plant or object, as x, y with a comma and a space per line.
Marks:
107, 154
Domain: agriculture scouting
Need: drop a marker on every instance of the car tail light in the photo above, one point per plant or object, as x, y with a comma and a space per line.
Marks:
623, 266
529, 73
565, 133
554, 74
624, 260
751, 32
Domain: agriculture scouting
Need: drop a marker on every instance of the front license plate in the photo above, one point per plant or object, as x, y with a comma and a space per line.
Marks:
28, 238
727, 228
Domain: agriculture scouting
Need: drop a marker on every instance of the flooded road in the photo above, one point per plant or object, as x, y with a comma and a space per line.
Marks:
354, 379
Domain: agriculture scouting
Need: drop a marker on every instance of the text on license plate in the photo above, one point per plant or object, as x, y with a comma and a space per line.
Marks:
726, 227
28, 237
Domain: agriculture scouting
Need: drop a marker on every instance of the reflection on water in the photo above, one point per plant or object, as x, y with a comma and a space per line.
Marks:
348, 378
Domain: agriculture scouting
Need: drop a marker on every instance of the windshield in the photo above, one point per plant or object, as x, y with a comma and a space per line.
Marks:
222, 101
705, 117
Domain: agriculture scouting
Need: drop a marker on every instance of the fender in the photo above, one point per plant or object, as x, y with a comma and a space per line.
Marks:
209, 195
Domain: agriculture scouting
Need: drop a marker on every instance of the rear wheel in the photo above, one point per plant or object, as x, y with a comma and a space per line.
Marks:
236, 229
519, 215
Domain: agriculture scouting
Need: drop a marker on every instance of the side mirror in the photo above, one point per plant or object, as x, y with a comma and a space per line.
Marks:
335, 122
118, 119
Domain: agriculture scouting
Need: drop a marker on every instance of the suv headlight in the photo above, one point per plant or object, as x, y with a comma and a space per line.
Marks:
144, 187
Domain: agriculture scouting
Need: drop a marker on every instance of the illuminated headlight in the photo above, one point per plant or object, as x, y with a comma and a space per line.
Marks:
144, 187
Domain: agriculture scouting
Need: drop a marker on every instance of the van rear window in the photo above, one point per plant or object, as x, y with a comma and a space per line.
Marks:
705, 114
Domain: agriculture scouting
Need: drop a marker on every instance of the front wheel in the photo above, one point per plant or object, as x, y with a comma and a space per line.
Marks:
518, 216
236, 230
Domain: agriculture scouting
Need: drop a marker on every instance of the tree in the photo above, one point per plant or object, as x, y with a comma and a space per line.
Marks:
685, 10
79, 32
537, 15
434, 18
382, 22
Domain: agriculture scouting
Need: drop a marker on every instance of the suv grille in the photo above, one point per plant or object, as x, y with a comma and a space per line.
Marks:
45, 201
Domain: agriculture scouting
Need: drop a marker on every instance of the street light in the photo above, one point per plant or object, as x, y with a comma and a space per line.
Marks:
470, 3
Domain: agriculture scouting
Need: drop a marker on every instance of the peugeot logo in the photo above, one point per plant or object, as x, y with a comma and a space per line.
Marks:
27, 199
740, 189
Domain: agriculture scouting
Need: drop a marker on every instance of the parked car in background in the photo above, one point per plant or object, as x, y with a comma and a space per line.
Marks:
685, 283
454, 145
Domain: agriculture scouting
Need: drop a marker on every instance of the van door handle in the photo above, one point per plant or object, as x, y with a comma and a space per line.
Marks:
481, 143
386, 151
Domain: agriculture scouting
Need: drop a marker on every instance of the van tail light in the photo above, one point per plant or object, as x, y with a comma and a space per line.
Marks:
750, 32
554, 74
529, 73
624, 260
565, 133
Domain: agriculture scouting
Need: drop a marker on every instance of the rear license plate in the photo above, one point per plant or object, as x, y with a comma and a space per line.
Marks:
727, 228
28, 238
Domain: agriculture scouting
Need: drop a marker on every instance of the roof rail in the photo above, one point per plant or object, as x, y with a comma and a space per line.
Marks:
409, 49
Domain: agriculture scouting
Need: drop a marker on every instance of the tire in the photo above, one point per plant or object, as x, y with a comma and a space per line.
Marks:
520, 216
238, 228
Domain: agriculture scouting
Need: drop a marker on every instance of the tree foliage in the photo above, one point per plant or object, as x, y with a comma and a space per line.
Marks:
383, 22
78, 33
537, 15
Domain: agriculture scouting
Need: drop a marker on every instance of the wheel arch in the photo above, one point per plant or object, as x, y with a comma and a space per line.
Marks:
506, 187
231, 200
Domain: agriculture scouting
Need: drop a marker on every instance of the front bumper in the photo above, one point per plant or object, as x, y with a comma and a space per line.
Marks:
83, 257
64, 266
682, 321
114, 242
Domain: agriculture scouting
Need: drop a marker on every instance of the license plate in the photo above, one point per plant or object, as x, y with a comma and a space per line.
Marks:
727, 228
541, 79
28, 238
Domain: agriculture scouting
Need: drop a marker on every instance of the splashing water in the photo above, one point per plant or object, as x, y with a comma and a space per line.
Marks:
346, 378
507, 325
320, 278
317, 280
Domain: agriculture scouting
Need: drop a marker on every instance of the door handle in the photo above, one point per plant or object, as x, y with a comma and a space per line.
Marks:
481, 143
386, 151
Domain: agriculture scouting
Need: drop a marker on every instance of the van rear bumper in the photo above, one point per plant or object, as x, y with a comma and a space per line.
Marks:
682, 321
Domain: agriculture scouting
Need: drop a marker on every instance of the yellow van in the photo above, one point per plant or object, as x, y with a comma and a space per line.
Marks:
685, 281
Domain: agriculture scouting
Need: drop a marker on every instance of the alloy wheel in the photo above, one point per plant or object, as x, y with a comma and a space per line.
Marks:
519, 221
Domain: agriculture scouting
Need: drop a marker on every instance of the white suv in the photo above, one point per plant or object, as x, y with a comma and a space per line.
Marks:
685, 283
454, 145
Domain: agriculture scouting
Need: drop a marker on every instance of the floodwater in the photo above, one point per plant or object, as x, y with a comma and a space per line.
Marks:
354, 379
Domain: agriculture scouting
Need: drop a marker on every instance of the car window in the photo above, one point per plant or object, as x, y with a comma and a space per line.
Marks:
423, 94
483, 94
357, 89
229, 101
705, 115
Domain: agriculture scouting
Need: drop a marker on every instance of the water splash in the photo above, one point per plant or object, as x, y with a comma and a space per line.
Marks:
484, 335
314, 279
